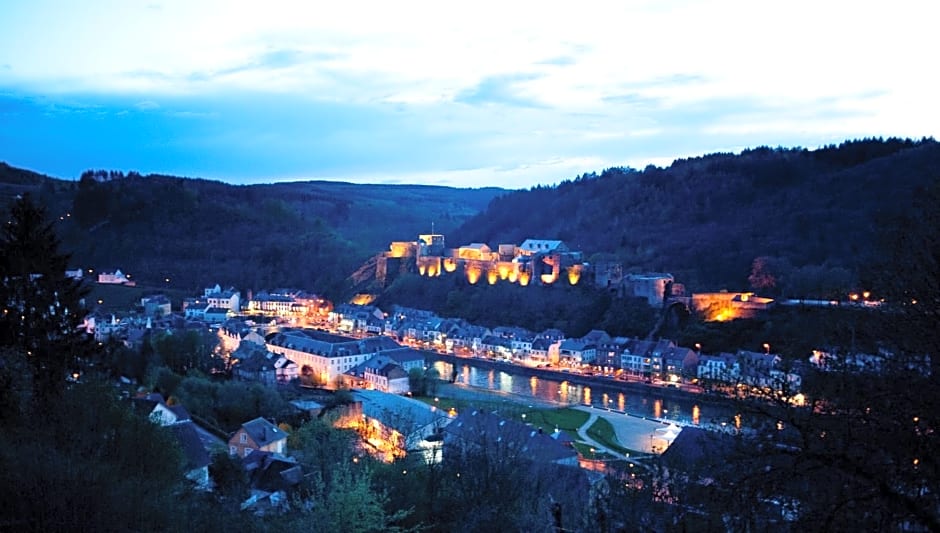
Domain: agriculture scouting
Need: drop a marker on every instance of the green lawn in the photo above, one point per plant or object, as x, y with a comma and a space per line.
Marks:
121, 299
564, 419
603, 432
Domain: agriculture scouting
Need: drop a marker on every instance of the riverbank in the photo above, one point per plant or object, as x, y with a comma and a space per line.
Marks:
632, 431
460, 391
600, 382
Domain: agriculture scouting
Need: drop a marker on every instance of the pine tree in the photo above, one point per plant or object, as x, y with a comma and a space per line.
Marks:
42, 312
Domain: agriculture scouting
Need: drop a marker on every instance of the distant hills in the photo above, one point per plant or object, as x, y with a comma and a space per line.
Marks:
195, 232
814, 215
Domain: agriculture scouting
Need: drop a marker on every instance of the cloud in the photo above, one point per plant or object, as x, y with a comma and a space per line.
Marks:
147, 105
503, 89
558, 61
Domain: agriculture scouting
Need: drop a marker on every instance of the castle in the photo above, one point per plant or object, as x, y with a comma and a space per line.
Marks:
534, 261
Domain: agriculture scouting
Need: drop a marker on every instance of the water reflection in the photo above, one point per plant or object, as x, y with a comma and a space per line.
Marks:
567, 393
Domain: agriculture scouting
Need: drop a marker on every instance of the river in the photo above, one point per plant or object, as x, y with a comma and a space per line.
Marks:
649, 405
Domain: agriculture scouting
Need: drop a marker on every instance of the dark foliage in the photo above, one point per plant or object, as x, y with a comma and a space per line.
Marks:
42, 308
815, 213
194, 232
861, 455
572, 309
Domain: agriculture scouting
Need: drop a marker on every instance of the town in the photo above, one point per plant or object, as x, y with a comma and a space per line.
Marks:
289, 337
262, 393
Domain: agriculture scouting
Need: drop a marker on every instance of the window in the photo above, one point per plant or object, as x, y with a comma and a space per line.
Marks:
232, 450
243, 438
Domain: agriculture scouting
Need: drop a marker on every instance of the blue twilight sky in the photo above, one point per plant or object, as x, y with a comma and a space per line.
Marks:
509, 93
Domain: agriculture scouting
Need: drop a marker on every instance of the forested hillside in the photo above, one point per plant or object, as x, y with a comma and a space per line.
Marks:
814, 215
195, 232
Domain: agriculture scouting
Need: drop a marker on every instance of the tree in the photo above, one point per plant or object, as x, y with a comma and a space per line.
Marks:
228, 474
93, 465
763, 274
416, 382
187, 350
860, 455
42, 307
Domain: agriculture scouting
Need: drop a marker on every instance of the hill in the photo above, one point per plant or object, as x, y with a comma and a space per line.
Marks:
193, 232
814, 216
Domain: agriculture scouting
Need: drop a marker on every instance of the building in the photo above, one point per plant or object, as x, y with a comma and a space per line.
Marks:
216, 315
651, 286
257, 434
227, 299
114, 278
577, 352
502, 439
275, 303
324, 356
157, 305
395, 425
723, 306
388, 377
542, 246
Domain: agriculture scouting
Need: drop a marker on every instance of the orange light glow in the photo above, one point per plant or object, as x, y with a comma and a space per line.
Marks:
503, 269
473, 274
695, 415
422, 269
492, 276
399, 249
574, 274
450, 264
524, 278
513, 276
361, 299
548, 279
722, 314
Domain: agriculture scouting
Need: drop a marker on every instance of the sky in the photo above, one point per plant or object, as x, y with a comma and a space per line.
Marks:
470, 94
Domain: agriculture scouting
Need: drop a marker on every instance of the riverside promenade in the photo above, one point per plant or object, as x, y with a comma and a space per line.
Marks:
633, 432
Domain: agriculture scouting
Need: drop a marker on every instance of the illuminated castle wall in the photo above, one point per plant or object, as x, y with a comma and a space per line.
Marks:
534, 262
724, 306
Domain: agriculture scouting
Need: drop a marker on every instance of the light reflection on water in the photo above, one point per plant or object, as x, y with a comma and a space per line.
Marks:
563, 392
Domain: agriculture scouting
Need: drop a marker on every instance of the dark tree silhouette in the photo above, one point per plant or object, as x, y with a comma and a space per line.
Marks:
42, 307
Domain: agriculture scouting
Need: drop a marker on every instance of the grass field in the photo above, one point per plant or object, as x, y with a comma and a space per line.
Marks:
603, 432
122, 299
538, 415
